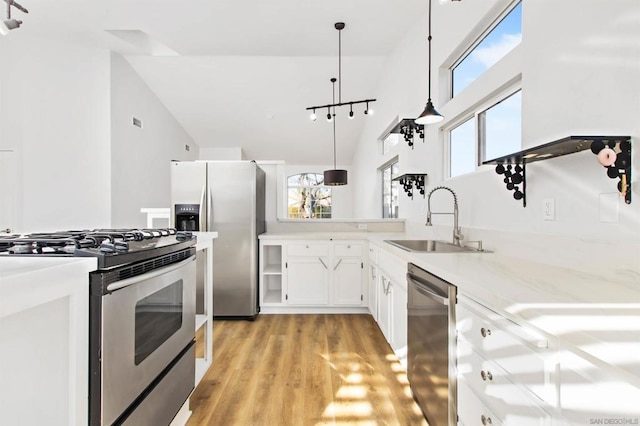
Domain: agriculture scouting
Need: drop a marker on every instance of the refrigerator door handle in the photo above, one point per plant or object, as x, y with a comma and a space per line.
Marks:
201, 213
209, 211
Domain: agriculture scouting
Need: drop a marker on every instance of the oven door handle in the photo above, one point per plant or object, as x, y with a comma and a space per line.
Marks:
423, 288
134, 280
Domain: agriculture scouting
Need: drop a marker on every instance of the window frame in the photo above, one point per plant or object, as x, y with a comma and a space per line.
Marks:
478, 116
389, 165
488, 28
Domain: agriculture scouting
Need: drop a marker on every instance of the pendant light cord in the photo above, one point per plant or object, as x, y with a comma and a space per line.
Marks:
429, 42
339, 69
334, 124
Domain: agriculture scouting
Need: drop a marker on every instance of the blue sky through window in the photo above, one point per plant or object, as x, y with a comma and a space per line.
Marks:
500, 41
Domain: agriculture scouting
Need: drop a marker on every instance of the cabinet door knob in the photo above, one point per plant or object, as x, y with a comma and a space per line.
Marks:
483, 375
307, 246
485, 420
485, 332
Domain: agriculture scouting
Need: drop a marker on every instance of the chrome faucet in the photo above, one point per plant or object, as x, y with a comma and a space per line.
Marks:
457, 231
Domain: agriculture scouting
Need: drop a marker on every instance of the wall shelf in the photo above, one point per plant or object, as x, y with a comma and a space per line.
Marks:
411, 180
408, 128
513, 166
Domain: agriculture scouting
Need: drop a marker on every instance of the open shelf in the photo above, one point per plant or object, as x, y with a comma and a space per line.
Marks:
273, 269
409, 180
273, 296
408, 127
515, 177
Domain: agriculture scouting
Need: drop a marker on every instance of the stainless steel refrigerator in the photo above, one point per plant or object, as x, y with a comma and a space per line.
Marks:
227, 197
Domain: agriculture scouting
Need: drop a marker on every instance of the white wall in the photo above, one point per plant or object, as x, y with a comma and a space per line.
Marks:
579, 77
222, 154
54, 113
140, 157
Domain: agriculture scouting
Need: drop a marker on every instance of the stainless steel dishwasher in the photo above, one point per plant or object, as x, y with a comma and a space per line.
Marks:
431, 343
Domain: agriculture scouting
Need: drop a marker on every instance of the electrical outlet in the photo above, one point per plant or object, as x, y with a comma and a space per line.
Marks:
549, 209
363, 226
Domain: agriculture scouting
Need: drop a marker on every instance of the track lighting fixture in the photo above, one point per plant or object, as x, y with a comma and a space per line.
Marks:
340, 26
313, 116
429, 115
9, 24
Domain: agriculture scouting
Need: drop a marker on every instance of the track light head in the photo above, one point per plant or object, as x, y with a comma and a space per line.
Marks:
329, 117
313, 115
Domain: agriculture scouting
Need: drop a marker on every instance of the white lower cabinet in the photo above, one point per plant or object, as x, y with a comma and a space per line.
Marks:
307, 281
472, 410
505, 366
391, 296
374, 285
384, 307
313, 275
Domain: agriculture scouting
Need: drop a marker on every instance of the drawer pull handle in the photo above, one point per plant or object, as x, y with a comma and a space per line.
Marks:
486, 376
485, 332
323, 264
486, 420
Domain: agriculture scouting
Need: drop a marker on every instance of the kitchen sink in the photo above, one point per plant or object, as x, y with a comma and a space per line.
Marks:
431, 246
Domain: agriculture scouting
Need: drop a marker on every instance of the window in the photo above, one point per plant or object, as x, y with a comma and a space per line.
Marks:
308, 197
390, 190
462, 151
500, 40
390, 142
502, 125
495, 129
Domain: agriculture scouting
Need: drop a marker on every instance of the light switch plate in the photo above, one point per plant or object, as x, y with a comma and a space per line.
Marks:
549, 209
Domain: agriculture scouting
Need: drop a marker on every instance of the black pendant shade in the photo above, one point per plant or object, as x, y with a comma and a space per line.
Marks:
429, 115
335, 177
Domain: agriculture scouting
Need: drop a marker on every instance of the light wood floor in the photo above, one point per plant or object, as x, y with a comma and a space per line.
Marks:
303, 370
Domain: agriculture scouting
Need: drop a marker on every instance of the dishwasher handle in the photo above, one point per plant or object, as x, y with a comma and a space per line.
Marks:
426, 290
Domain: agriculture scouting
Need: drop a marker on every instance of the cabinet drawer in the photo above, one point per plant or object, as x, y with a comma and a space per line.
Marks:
508, 401
348, 250
308, 249
495, 340
472, 411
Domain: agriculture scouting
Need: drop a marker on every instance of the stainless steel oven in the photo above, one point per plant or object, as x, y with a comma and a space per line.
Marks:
142, 340
431, 345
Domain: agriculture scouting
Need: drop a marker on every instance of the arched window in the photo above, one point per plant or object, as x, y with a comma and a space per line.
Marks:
308, 197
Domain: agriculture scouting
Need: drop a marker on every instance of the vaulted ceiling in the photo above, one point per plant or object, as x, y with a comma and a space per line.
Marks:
242, 72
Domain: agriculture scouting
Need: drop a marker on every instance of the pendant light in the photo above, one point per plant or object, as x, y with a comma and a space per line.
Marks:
334, 177
429, 115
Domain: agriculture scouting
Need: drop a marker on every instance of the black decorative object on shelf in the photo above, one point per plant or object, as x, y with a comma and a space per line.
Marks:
408, 128
615, 156
409, 180
614, 152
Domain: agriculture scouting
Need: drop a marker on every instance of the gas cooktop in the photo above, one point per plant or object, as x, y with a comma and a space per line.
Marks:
112, 247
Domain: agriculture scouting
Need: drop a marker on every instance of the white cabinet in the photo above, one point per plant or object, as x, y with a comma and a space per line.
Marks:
271, 266
313, 276
399, 320
374, 285
504, 365
391, 307
384, 307
307, 281
595, 394
348, 274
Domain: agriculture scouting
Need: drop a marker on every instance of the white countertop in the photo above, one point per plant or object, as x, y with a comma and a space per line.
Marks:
596, 314
204, 239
